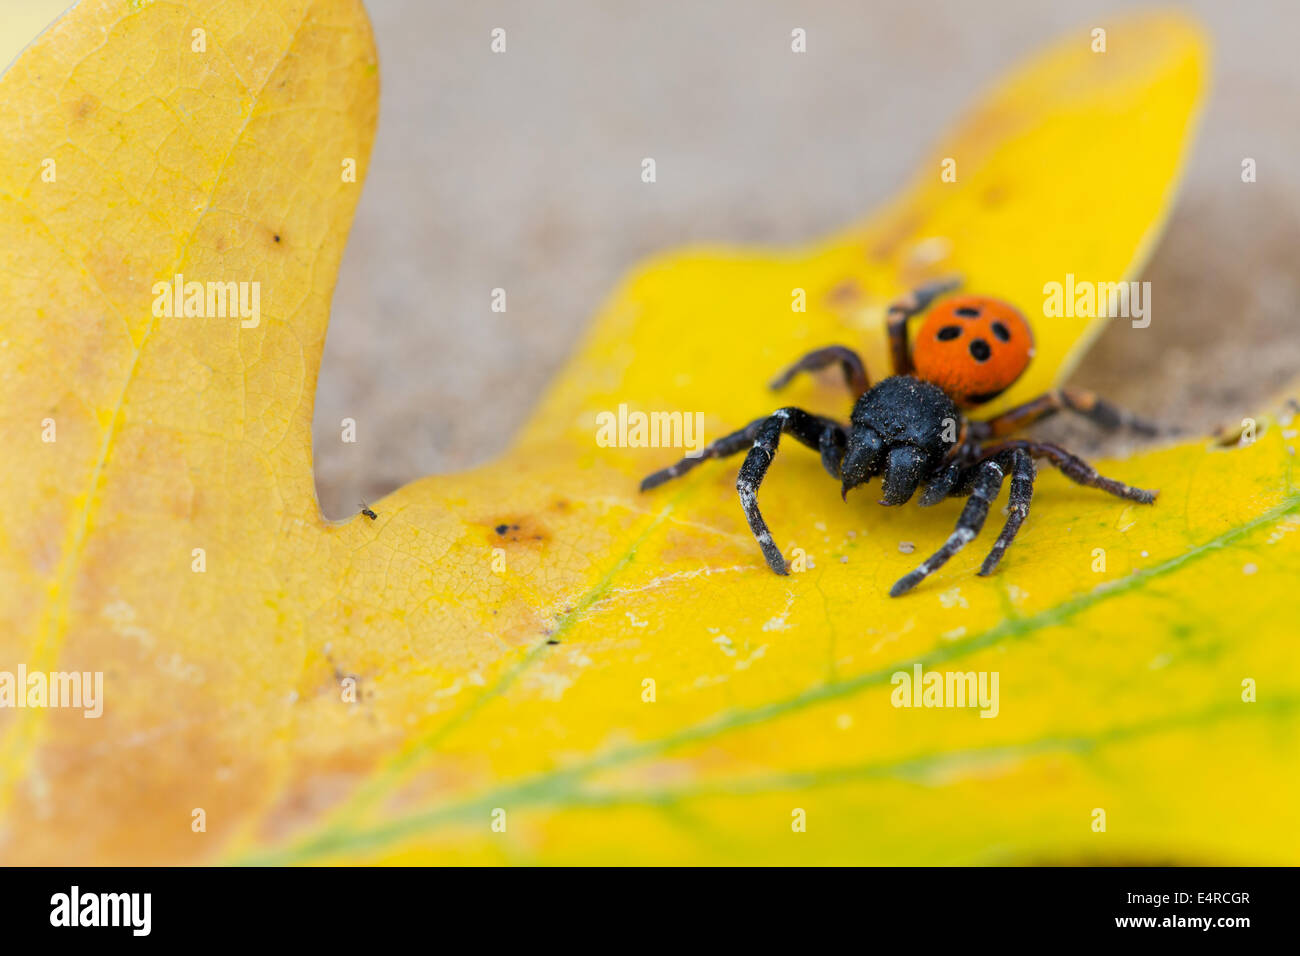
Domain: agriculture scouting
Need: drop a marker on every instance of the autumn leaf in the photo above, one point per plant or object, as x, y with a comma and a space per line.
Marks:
533, 662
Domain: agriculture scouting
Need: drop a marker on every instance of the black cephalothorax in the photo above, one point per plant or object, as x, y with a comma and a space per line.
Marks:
912, 435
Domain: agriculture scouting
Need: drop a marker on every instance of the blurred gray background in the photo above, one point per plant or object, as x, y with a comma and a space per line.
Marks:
522, 171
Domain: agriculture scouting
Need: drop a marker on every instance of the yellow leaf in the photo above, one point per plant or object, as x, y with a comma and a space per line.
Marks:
533, 662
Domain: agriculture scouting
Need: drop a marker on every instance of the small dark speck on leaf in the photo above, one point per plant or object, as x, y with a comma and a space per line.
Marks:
552, 641
524, 529
277, 237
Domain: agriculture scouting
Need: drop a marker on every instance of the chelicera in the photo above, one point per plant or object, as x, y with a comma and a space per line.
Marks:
910, 429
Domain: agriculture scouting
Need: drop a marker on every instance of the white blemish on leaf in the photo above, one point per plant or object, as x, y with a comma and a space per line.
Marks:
779, 623
755, 655
551, 685
1284, 527
952, 598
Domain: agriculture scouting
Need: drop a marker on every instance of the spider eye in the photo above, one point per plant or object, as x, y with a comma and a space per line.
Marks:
948, 333
980, 351
968, 312
1002, 332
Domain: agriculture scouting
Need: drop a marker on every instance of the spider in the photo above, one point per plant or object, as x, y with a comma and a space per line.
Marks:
910, 429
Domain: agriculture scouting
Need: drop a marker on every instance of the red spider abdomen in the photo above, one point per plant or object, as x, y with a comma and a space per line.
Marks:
973, 347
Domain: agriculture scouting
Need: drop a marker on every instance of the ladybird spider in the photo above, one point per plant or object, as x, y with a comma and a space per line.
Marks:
910, 430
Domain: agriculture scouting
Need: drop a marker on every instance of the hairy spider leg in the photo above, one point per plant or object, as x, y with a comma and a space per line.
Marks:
829, 441
1022, 489
1081, 402
855, 372
988, 481
1076, 469
944, 481
812, 430
912, 304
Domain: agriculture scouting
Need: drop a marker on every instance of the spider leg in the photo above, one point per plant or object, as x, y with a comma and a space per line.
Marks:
1022, 489
914, 303
988, 481
811, 430
942, 484
855, 372
831, 443
822, 434
1077, 400
1076, 469
721, 448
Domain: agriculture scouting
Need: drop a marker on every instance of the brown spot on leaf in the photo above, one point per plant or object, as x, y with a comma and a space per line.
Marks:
845, 295
522, 529
84, 107
995, 195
